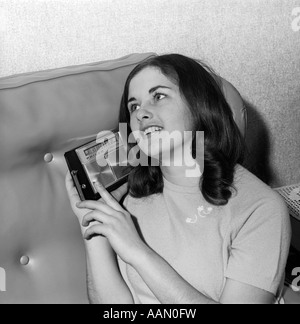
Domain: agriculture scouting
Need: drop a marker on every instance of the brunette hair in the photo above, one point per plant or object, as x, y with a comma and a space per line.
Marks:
223, 142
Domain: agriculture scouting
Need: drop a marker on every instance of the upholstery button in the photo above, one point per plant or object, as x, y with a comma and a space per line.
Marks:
48, 157
24, 260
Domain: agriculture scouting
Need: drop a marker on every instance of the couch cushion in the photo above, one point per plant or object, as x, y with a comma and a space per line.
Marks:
39, 113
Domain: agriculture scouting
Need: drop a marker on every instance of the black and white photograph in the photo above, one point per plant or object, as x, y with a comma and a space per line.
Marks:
150, 154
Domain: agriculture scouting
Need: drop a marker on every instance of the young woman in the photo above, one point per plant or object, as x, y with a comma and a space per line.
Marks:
218, 236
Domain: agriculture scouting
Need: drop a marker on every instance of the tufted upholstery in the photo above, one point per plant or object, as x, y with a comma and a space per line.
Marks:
42, 115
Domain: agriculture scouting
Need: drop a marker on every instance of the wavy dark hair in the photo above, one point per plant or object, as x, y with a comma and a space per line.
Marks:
223, 142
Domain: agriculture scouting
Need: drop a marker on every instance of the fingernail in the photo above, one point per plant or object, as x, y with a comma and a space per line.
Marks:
78, 204
98, 184
84, 222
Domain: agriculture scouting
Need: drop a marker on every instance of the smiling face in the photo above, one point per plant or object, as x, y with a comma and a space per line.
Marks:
159, 116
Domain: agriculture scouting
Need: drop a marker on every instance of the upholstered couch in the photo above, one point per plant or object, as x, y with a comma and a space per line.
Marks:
42, 115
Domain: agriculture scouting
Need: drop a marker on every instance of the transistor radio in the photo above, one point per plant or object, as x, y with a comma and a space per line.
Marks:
103, 159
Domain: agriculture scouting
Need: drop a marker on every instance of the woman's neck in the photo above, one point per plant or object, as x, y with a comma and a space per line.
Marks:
186, 175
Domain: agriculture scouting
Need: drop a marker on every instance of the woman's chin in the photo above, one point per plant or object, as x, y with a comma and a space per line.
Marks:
161, 148
152, 153
161, 157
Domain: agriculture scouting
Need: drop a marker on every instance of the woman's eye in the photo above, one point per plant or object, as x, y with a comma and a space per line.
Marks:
159, 96
133, 108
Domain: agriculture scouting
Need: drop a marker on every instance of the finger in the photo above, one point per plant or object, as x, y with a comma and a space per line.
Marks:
96, 205
95, 230
71, 190
107, 197
95, 216
120, 192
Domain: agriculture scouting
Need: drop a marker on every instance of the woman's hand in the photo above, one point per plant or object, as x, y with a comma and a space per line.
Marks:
108, 218
74, 197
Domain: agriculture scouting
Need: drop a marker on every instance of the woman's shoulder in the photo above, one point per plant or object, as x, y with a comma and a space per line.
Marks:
251, 188
254, 198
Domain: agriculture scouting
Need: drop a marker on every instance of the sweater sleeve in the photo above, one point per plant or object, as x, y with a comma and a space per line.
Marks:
260, 248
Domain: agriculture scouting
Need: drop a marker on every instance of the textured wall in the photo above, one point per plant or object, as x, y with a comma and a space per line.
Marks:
255, 44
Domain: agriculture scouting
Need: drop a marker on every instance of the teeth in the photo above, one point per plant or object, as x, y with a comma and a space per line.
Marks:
152, 130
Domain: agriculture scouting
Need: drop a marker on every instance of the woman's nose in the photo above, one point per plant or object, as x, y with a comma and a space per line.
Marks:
144, 113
